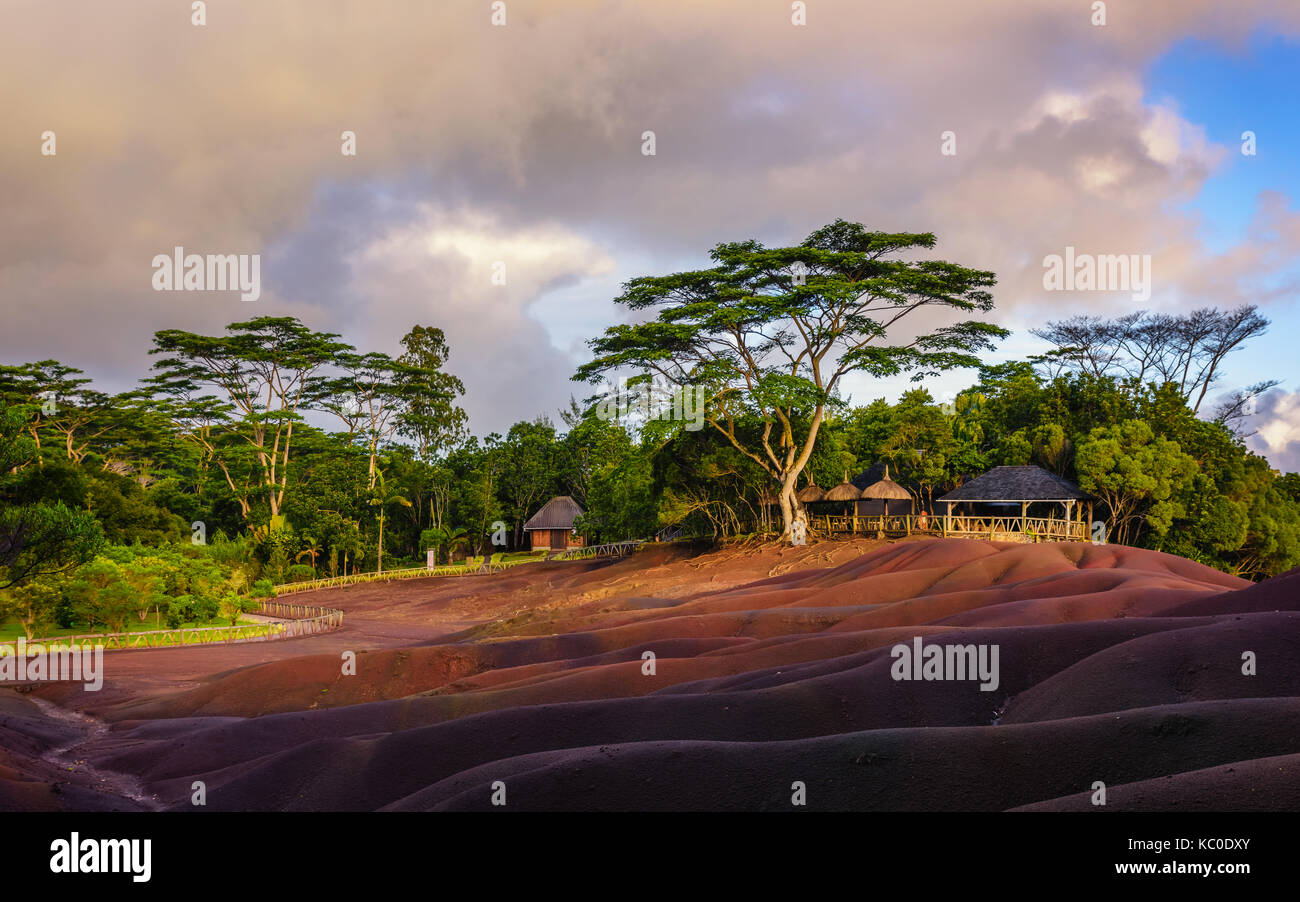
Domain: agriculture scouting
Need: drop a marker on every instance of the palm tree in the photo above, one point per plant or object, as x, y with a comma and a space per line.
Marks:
313, 551
381, 499
438, 537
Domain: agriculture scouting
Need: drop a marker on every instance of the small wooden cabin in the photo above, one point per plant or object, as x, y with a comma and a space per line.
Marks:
551, 528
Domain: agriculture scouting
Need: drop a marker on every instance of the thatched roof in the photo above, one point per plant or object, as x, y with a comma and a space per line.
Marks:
810, 494
558, 513
1017, 484
845, 491
886, 489
873, 473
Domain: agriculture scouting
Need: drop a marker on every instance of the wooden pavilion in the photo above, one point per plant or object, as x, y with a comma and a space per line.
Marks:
997, 505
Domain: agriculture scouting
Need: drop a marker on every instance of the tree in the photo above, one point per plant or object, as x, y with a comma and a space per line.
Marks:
431, 415
435, 538
381, 498
33, 605
41, 539
1137, 474
771, 332
530, 470
267, 370
1186, 350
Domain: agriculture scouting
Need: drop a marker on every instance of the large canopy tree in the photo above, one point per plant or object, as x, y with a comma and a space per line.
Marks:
771, 332
267, 371
1186, 350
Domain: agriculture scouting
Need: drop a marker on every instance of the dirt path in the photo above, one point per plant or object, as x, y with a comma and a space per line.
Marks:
79, 770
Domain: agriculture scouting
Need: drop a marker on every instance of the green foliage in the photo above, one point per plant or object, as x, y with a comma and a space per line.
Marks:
98, 493
301, 573
33, 604
232, 605
770, 332
1137, 473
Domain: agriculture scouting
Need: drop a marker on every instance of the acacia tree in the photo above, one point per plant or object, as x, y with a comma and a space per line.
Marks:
59, 402
1186, 350
369, 400
771, 332
267, 369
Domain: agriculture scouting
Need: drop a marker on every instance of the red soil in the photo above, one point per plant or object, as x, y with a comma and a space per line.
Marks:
772, 665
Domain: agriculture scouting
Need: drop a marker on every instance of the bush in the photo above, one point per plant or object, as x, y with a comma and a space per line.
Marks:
179, 611
232, 605
206, 609
301, 573
276, 566
263, 588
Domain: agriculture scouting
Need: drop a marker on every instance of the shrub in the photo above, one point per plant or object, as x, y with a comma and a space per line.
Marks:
206, 609
277, 565
301, 573
179, 611
263, 588
232, 605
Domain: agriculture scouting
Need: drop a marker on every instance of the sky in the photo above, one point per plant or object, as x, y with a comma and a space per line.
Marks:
521, 144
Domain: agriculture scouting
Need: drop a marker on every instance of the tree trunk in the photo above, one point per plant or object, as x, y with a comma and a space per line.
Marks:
792, 508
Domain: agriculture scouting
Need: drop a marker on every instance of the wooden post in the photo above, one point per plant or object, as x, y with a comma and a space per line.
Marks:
947, 519
1024, 508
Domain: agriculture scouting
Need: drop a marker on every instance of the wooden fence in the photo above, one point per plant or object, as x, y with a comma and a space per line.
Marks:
573, 554
330, 582
610, 549
1033, 529
1014, 529
296, 620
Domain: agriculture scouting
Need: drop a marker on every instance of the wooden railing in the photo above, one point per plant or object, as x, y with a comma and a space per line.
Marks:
295, 620
609, 549
330, 582
301, 619
1015, 528
997, 528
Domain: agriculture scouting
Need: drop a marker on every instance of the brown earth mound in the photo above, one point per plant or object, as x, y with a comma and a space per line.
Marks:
724, 679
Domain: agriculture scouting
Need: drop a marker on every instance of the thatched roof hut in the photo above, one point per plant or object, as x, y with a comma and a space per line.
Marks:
1009, 487
845, 491
1021, 484
885, 489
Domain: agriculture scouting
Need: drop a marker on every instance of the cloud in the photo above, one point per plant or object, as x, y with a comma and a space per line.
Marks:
523, 144
1277, 425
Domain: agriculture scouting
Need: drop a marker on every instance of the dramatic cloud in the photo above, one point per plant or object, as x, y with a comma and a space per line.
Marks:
522, 144
1278, 430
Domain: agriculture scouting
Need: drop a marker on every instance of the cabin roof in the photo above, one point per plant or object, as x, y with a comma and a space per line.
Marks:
558, 513
1028, 483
